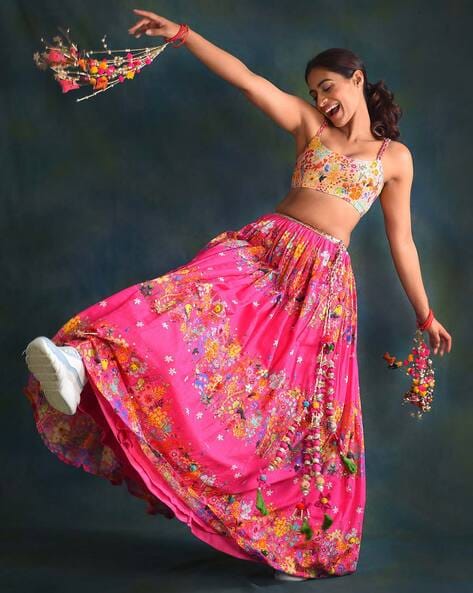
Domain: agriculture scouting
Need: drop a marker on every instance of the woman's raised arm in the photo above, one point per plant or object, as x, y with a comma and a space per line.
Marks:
285, 109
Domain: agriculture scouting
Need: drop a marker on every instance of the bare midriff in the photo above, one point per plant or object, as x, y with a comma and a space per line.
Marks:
330, 214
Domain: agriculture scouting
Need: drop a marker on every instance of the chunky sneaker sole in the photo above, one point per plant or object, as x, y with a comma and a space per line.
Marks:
284, 576
60, 372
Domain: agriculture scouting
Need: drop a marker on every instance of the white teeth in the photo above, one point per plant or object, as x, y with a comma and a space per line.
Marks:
332, 108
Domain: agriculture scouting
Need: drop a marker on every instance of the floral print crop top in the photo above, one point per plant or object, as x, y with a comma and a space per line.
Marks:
358, 182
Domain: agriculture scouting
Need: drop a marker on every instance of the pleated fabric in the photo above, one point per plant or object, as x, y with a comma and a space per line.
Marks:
225, 394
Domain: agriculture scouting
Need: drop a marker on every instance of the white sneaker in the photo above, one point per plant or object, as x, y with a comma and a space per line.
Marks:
284, 576
60, 372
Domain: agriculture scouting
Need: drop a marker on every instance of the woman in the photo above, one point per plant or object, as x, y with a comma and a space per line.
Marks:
225, 393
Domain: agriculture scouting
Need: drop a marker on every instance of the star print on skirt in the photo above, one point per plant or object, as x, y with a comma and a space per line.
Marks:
225, 393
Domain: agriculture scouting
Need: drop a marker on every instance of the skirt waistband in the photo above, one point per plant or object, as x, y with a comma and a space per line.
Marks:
313, 228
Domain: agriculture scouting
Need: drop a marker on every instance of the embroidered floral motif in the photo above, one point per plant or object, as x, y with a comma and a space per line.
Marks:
201, 371
357, 181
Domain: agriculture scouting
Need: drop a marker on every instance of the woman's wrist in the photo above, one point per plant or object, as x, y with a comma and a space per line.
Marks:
425, 322
180, 35
421, 314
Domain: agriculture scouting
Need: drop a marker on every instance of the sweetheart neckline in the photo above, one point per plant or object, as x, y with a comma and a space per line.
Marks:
344, 156
378, 160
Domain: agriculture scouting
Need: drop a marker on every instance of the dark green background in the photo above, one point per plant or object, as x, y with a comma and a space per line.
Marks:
108, 192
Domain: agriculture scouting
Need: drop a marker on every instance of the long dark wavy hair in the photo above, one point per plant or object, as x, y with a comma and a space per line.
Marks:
383, 111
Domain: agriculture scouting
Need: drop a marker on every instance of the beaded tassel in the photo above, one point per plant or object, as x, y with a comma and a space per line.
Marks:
302, 514
324, 391
260, 504
350, 463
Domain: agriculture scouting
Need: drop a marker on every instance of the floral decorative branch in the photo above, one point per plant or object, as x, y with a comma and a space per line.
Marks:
422, 372
74, 69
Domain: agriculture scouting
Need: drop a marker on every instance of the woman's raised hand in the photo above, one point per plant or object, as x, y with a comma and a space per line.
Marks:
153, 24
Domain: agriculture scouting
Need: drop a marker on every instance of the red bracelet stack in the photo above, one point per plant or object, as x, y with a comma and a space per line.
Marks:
180, 35
426, 324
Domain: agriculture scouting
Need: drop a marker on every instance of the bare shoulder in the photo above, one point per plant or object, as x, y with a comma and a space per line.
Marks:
398, 161
311, 120
288, 111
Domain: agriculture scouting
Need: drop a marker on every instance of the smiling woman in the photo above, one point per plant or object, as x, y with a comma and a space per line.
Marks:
336, 68
330, 111
225, 392
356, 170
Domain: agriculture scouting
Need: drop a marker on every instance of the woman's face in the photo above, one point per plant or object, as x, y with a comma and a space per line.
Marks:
329, 88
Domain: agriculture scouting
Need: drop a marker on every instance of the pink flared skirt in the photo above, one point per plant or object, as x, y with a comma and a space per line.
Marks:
225, 394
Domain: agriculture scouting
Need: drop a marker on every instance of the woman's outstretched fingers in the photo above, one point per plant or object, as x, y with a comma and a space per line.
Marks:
435, 341
146, 12
446, 342
443, 347
440, 339
150, 15
139, 25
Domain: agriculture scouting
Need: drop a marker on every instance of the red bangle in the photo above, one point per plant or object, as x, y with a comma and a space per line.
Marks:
426, 324
180, 35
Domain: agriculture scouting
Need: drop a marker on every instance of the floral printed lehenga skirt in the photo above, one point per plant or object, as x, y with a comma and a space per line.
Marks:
225, 394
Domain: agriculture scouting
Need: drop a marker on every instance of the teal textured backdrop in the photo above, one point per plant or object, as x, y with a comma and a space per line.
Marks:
102, 194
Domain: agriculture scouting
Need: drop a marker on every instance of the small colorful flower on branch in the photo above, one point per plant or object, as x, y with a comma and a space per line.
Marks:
419, 366
74, 68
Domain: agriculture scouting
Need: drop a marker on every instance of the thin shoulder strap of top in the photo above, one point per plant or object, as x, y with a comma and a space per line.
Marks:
384, 145
319, 131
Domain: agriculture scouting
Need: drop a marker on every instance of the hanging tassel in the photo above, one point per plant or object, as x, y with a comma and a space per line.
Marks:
260, 505
306, 529
327, 521
350, 463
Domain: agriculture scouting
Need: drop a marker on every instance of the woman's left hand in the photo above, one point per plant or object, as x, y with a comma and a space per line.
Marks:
439, 338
